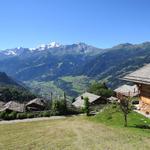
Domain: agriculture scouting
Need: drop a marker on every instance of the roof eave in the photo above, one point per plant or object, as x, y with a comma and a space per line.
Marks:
135, 81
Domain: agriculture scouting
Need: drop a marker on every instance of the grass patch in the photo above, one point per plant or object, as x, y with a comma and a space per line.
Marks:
79, 83
112, 116
44, 88
72, 133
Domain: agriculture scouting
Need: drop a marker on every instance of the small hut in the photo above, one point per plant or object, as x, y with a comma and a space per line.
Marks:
13, 106
93, 100
127, 91
141, 78
37, 104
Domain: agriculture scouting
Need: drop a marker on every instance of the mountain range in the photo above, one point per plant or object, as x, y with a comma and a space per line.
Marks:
71, 68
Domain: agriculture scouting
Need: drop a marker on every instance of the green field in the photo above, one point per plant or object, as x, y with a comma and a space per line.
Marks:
79, 84
112, 116
75, 133
44, 88
72, 85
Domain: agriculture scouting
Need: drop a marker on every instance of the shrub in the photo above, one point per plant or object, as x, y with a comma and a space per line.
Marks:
143, 126
109, 117
100, 89
73, 110
46, 114
55, 113
21, 115
59, 107
2, 114
13, 115
30, 115
8, 116
40, 114
114, 106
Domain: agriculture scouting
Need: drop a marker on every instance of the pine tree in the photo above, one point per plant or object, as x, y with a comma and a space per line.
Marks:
86, 106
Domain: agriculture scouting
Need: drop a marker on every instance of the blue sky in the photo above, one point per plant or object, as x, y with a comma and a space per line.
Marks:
102, 23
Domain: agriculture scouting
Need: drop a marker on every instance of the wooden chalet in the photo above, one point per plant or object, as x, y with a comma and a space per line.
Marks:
13, 106
141, 78
37, 104
93, 100
127, 91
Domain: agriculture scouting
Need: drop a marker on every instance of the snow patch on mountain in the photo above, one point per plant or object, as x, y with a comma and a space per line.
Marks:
10, 53
46, 46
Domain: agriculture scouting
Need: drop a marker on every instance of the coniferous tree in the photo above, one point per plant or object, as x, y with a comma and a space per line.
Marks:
86, 106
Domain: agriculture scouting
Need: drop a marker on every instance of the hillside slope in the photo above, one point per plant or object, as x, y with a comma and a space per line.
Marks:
117, 62
59, 68
7, 81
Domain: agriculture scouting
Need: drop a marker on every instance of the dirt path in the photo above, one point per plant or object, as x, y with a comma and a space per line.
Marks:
32, 119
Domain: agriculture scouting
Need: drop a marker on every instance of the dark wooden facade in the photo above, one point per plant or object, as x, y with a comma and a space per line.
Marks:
144, 97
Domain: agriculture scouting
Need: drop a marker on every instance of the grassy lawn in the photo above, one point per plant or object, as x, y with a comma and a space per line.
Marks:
73, 133
112, 116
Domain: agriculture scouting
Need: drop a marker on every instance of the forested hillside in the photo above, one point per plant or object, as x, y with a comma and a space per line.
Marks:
72, 68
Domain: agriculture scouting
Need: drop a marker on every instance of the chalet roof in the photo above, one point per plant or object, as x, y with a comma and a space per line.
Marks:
37, 101
141, 75
112, 98
13, 106
1, 104
128, 90
79, 101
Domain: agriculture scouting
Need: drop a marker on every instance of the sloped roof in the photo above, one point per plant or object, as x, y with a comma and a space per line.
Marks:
141, 75
14, 106
1, 104
112, 98
128, 90
38, 101
79, 101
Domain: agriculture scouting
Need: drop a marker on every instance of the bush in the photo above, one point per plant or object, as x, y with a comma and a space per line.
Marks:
13, 115
40, 114
8, 116
46, 114
21, 115
59, 107
114, 106
55, 113
30, 115
73, 110
2, 114
109, 117
100, 89
143, 126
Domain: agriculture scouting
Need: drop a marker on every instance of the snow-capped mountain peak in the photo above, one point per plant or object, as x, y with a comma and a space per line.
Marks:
46, 46
10, 53
53, 45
